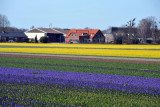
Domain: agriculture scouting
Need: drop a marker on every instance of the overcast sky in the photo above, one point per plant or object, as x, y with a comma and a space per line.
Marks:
95, 14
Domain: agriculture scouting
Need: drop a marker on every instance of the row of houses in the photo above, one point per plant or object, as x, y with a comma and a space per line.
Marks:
67, 35
56, 35
114, 35
13, 37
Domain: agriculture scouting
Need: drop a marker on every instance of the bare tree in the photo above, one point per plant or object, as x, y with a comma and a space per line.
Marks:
32, 27
154, 28
14, 29
158, 34
143, 29
146, 29
131, 23
131, 30
4, 23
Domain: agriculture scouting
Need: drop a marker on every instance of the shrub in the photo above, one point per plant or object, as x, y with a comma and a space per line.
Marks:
44, 39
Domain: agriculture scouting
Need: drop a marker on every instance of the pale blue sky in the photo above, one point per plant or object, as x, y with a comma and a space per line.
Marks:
99, 14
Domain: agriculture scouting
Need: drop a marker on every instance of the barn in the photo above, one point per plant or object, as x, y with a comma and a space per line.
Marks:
13, 37
52, 34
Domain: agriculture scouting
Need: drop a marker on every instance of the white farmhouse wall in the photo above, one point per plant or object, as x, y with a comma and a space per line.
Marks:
33, 35
64, 35
109, 38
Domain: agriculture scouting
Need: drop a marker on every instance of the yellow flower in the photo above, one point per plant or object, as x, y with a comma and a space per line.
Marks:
85, 51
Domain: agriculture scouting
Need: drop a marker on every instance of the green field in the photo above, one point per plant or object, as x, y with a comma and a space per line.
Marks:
116, 68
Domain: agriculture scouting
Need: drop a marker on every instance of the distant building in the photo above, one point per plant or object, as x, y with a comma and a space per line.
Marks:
124, 35
64, 31
109, 38
54, 35
12, 37
85, 36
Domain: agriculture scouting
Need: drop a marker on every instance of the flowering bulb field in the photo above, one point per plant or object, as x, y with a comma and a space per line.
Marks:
31, 80
84, 45
145, 51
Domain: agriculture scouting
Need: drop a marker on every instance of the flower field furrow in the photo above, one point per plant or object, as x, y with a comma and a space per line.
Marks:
115, 82
82, 66
79, 59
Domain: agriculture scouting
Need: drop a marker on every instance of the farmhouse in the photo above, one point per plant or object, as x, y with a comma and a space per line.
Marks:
54, 35
85, 36
124, 35
12, 37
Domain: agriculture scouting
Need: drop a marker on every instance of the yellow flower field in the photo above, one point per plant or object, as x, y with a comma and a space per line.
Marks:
93, 52
85, 45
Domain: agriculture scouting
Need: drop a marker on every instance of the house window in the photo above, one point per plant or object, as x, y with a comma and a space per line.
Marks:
84, 33
92, 34
10, 38
4, 39
71, 34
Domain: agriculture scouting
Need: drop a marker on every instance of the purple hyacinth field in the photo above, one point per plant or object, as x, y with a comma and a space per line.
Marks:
63, 82
115, 82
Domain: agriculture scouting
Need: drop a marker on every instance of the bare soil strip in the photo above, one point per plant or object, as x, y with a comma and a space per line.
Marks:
84, 58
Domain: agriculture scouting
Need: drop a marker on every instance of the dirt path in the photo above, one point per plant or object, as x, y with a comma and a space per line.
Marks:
81, 57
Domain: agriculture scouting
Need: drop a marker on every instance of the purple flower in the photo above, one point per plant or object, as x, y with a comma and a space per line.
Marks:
115, 82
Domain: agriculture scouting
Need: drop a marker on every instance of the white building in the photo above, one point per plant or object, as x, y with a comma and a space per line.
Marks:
109, 38
54, 35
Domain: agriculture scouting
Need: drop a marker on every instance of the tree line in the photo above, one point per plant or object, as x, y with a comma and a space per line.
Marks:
5, 25
147, 30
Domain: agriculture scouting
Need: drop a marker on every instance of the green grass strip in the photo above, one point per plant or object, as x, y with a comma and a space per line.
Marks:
83, 63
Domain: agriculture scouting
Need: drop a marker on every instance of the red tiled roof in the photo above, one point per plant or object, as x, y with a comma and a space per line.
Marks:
80, 32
